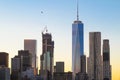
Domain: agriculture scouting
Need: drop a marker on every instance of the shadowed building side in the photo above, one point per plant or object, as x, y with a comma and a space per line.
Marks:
4, 59
106, 60
47, 57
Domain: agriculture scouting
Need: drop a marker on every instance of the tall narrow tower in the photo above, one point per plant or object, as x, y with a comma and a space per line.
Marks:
77, 44
95, 59
106, 60
47, 56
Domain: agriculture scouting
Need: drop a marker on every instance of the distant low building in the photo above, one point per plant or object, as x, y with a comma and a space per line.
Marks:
59, 67
81, 76
62, 76
4, 73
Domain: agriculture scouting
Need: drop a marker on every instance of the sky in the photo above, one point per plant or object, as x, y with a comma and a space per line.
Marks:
22, 19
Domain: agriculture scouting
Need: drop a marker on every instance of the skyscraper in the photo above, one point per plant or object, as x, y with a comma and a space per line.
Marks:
25, 57
77, 44
4, 59
30, 45
106, 60
47, 56
95, 60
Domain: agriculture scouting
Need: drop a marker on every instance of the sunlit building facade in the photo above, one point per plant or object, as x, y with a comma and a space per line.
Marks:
94, 66
77, 45
30, 44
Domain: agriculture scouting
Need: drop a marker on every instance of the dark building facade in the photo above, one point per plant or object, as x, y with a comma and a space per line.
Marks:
25, 58
81, 76
62, 76
15, 68
59, 66
106, 60
4, 59
4, 73
47, 57
20, 63
83, 64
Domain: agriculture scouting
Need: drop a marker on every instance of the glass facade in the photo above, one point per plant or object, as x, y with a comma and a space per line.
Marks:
77, 45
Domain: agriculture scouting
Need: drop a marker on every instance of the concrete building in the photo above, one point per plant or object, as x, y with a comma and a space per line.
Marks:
31, 45
4, 73
47, 56
94, 67
83, 64
59, 66
106, 60
4, 59
25, 57
15, 68
15, 63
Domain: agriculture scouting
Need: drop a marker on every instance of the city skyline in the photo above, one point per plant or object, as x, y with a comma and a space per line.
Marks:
23, 19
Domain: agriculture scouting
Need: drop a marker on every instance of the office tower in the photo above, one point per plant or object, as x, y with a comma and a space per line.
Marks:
15, 63
25, 57
95, 60
4, 73
106, 60
30, 45
59, 66
47, 56
82, 75
77, 44
83, 64
15, 68
4, 59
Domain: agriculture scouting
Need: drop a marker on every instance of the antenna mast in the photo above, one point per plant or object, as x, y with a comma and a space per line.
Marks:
77, 10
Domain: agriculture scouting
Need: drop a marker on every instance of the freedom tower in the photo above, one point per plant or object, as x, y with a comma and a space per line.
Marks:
77, 44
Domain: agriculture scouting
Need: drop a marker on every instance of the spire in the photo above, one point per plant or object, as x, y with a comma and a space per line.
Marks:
77, 10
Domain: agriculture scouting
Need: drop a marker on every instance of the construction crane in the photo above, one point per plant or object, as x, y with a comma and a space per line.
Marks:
45, 30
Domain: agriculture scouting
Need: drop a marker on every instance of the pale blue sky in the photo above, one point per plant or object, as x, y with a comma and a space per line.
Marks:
21, 19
